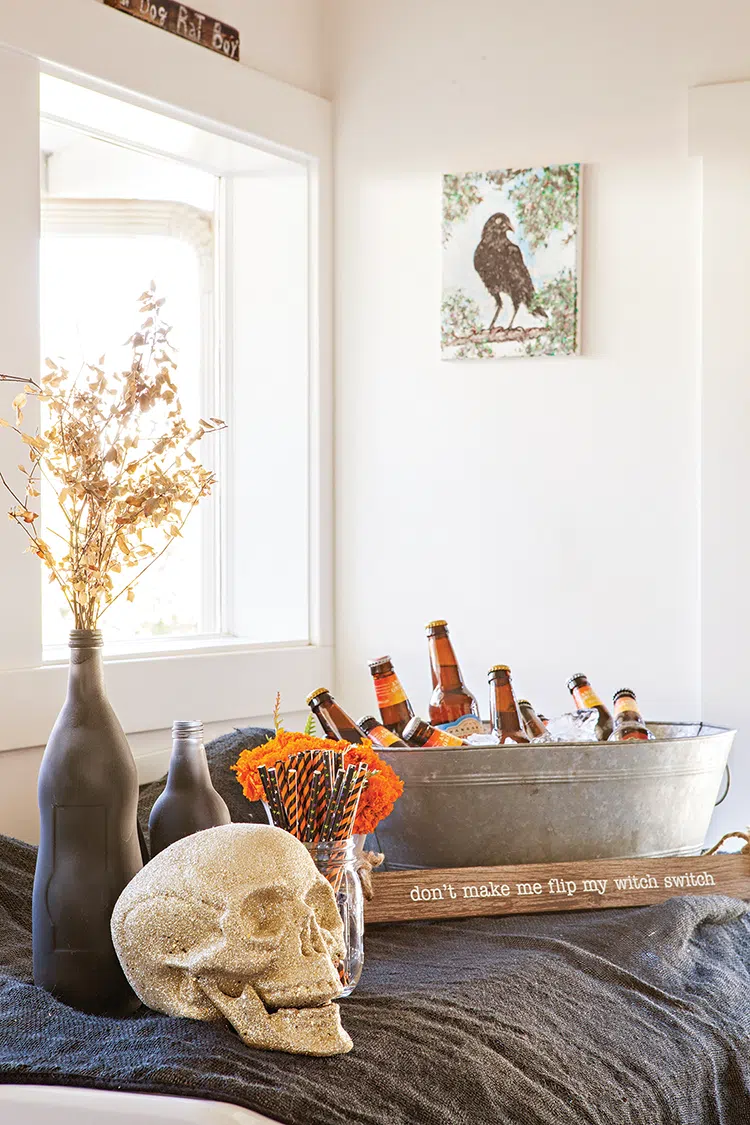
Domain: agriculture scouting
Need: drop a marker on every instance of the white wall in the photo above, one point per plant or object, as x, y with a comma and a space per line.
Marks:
282, 38
576, 480
718, 120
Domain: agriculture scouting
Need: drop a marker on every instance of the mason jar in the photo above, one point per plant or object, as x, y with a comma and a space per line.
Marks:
337, 861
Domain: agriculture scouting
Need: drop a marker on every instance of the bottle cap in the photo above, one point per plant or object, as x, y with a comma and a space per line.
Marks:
187, 728
572, 680
375, 664
621, 692
413, 725
368, 722
85, 638
523, 703
436, 624
498, 668
316, 693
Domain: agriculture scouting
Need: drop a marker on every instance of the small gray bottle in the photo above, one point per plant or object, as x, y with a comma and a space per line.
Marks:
189, 803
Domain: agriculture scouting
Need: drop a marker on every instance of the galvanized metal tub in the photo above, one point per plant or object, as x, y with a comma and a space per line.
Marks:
496, 805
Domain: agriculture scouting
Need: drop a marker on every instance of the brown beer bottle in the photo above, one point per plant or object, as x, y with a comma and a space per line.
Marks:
450, 699
586, 699
395, 708
504, 713
629, 722
380, 735
420, 733
333, 719
532, 723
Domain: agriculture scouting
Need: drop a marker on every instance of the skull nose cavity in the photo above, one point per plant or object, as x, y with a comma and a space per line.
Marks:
311, 938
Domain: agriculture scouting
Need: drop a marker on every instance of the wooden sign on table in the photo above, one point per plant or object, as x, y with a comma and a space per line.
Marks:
465, 892
186, 22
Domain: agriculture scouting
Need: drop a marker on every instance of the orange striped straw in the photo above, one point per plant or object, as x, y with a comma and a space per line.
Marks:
313, 807
325, 832
292, 803
349, 814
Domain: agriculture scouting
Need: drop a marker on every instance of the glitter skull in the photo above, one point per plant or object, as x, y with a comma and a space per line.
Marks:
237, 922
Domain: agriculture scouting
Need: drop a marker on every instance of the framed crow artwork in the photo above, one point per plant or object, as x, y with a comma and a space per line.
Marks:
511, 275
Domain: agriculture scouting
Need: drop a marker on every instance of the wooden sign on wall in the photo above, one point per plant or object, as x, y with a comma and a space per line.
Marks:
185, 22
465, 892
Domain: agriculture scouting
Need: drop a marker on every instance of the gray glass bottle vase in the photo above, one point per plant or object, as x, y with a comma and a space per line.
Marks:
189, 802
88, 849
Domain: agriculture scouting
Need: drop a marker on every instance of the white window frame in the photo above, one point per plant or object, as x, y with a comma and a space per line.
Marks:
220, 682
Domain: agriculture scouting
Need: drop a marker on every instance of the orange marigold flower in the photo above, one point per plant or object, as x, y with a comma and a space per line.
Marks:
380, 795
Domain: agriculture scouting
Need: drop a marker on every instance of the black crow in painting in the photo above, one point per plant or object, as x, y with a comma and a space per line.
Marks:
499, 263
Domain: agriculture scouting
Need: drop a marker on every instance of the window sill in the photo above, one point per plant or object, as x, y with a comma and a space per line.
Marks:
216, 683
146, 648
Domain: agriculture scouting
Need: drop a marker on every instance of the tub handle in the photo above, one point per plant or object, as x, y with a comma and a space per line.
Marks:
723, 797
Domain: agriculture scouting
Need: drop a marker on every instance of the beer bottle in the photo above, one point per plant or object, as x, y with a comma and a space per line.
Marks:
586, 699
629, 722
450, 699
504, 713
380, 735
420, 733
333, 719
533, 723
395, 708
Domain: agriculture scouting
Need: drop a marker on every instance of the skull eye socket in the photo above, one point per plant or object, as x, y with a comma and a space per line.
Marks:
266, 912
323, 906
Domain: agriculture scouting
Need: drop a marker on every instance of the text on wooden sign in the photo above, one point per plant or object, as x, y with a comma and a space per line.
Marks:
186, 22
465, 892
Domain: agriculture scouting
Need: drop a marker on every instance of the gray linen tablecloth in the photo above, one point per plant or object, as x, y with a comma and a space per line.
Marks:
621, 1017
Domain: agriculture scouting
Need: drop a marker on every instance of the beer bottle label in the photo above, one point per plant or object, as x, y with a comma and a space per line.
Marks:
388, 690
382, 735
441, 738
463, 727
625, 703
586, 697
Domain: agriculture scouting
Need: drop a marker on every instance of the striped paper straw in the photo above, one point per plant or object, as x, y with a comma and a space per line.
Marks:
274, 783
341, 801
272, 797
349, 814
332, 804
292, 802
312, 808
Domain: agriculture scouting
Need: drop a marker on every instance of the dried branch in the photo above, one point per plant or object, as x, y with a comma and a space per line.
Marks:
91, 456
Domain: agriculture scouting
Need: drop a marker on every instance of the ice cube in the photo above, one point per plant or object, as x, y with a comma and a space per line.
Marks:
574, 726
483, 738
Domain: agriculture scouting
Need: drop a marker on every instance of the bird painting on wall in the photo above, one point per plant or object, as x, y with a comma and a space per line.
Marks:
511, 273
499, 263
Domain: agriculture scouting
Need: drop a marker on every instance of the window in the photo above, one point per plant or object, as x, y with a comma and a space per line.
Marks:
268, 148
129, 196
97, 255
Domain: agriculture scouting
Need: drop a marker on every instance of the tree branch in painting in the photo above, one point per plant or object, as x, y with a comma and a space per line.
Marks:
497, 336
463, 330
